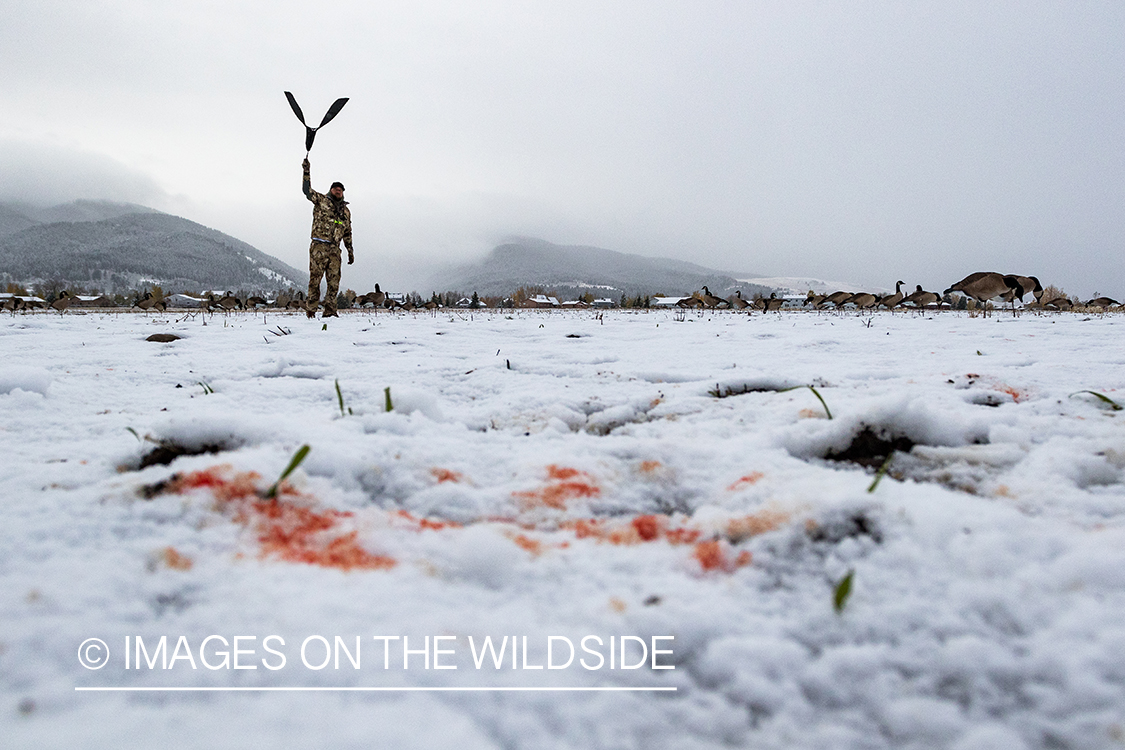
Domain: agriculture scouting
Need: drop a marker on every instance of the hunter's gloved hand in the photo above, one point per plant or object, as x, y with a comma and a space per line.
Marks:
305, 163
351, 258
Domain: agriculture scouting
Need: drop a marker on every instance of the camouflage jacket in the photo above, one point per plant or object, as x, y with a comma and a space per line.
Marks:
332, 219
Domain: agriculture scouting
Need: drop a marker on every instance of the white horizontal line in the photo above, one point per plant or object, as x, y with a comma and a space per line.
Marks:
372, 689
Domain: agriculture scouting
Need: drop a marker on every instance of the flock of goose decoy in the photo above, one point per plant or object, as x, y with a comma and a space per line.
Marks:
977, 288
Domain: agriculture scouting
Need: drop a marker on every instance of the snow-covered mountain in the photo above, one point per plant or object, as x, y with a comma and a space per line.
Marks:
121, 245
572, 270
802, 285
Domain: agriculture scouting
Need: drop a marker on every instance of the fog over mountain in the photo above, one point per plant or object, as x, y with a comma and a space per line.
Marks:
115, 246
572, 270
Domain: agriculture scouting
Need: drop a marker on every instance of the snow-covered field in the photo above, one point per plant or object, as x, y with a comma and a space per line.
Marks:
567, 475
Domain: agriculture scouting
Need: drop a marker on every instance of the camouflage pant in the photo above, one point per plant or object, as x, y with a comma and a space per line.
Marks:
324, 260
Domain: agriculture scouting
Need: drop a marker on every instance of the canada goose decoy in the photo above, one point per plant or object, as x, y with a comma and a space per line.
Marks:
773, 304
737, 302
146, 302
62, 302
230, 302
814, 299
297, 303
34, 304
1102, 302
1059, 303
710, 300
690, 302
983, 286
836, 298
862, 300
920, 297
1030, 285
375, 298
891, 301
256, 302
14, 303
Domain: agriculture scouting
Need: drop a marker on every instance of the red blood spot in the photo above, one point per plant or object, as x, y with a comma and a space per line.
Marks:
570, 484
647, 527
745, 481
285, 529
709, 555
445, 475
682, 535
175, 560
562, 472
649, 467
531, 545
425, 523
755, 523
712, 556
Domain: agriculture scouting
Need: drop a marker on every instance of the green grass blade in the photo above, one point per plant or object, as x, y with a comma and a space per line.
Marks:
822, 402
298, 457
340, 397
1112, 404
882, 470
387, 398
842, 592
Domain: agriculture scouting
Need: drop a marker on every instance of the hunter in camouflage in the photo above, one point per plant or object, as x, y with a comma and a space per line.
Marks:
332, 224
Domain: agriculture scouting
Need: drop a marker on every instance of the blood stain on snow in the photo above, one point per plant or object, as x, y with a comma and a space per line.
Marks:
712, 556
738, 529
445, 475
746, 481
648, 467
567, 484
425, 523
285, 529
175, 560
647, 527
1015, 393
617, 605
644, 528
533, 546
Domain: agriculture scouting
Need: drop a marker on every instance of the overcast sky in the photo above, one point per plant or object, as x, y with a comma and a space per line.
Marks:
848, 140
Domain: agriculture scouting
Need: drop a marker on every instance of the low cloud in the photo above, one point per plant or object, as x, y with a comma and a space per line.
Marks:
45, 174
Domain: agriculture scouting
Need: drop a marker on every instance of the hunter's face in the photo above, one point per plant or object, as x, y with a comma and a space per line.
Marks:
337, 192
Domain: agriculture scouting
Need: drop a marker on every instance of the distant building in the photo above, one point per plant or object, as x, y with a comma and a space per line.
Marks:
663, 302
541, 301
604, 304
182, 300
83, 300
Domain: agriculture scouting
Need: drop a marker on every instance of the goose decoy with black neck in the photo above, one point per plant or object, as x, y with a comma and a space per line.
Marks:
985, 285
63, 301
773, 304
891, 301
710, 300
